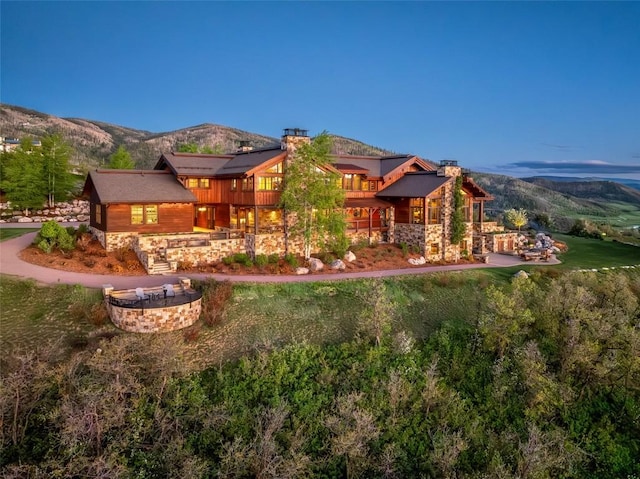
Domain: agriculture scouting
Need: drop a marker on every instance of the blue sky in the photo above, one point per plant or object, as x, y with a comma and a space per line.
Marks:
517, 88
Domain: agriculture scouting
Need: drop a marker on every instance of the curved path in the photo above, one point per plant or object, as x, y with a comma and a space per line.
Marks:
11, 264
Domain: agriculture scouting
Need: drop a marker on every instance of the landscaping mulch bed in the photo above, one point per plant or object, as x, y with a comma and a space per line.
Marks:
92, 258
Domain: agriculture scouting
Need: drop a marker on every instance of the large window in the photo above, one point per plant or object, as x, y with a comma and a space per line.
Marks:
356, 183
467, 208
278, 168
147, 214
435, 211
416, 206
269, 183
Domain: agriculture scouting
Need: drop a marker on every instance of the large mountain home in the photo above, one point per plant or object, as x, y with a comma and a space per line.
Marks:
199, 208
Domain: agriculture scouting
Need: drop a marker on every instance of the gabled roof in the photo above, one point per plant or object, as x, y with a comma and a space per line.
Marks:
237, 164
192, 164
391, 164
136, 186
247, 163
418, 184
476, 190
377, 166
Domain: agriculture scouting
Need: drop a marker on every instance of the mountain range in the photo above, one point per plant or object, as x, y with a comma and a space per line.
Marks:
93, 141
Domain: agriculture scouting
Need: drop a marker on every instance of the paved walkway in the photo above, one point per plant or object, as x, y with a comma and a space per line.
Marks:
11, 264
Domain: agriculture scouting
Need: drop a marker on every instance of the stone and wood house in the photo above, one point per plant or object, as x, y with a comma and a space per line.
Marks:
199, 208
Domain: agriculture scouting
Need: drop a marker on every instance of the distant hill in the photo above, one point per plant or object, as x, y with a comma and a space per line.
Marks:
602, 189
625, 181
603, 201
93, 141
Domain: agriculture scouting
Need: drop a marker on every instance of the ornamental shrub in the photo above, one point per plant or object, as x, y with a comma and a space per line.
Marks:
52, 235
262, 260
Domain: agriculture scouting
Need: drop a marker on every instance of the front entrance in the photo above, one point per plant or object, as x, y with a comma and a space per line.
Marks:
205, 217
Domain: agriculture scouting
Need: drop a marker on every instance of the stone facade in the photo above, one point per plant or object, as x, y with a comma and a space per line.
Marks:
114, 241
414, 235
376, 237
266, 244
501, 242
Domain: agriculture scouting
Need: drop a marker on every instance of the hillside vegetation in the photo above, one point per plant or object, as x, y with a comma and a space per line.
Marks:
537, 378
93, 141
602, 202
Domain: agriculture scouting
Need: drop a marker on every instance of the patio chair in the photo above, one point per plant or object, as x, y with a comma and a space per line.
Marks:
168, 290
141, 295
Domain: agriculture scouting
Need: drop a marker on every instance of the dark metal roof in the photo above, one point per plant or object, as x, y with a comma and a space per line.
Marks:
193, 164
417, 184
244, 162
137, 186
390, 163
350, 168
197, 164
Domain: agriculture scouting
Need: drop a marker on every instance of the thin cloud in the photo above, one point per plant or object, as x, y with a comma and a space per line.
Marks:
590, 167
560, 147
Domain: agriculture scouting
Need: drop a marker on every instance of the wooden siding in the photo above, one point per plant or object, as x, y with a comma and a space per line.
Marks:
223, 216
219, 192
401, 212
172, 218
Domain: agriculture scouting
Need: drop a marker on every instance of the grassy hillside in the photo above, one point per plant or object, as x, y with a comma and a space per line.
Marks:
472, 378
608, 190
604, 202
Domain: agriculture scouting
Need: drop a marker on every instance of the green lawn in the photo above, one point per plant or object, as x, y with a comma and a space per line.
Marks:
8, 233
269, 315
591, 253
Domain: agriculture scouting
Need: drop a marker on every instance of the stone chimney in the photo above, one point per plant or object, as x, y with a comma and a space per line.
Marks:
294, 137
449, 168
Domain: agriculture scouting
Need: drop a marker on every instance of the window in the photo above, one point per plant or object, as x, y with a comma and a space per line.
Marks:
435, 210
234, 184
151, 214
247, 184
373, 185
435, 248
416, 206
269, 183
275, 169
467, 209
351, 182
147, 214
98, 214
137, 215
198, 183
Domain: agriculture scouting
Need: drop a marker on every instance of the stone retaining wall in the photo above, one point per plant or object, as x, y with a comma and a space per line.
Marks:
202, 255
153, 320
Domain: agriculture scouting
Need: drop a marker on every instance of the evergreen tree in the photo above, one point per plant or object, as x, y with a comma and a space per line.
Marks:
31, 174
121, 160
